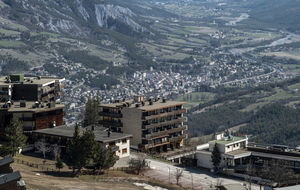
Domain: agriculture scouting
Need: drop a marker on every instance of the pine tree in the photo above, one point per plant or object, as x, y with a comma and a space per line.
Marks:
91, 116
14, 136
76, 134
216, 157
88, 112
59, 164
75, 151
110, 159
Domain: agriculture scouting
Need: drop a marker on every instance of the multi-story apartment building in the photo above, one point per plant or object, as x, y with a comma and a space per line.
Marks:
18, 87
156, 125
34, 100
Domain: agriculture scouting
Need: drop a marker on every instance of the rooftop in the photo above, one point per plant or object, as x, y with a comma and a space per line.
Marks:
229, 141
234, 187
30, 107
31, 80
6, 178
295, 187
68, 131
6, 160
146, 105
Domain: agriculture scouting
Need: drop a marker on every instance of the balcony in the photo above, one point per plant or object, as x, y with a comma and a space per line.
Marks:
165, 123
153, 145
165, 133
110, 114
166, 114
110, 123
178, 138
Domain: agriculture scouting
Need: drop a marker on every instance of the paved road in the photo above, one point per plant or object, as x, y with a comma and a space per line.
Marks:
194, 177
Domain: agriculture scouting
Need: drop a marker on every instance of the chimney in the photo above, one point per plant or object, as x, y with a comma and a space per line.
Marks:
93, 127
164, 100
108, 133
138, 98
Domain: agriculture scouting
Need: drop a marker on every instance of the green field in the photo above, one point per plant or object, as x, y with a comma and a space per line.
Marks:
9, 33
11, 44
195, 98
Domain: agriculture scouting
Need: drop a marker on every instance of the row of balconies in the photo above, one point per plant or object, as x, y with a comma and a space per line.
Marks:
111, 114
111, 123
166, 114
165, 123
170, 140
166, 132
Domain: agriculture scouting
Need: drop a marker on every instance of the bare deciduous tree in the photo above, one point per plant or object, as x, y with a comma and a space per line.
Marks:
178, 175
56, 151
42, 146
138, 164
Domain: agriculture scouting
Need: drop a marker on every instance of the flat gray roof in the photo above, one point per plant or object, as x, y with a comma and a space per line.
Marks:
6, 160
31, 80
68, 131
29, 107
294, 187
275, 156
146, 107
6, 178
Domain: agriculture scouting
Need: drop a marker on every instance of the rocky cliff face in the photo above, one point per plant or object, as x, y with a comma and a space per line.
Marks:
75, 17
116, 13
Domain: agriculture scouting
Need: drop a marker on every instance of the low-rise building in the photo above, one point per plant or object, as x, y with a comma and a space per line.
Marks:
232, 149
118, 142
156, 124
34, 115
10, 180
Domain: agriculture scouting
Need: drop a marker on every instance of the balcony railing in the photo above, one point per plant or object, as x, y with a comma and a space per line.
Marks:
165, 123
166, 114
152, 145
115, 115
166, 132
177, 138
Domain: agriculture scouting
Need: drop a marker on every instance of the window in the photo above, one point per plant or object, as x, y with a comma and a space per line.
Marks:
112, 144
124, 141
124, 150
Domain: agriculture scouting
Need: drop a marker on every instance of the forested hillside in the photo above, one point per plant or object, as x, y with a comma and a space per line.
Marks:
268, 113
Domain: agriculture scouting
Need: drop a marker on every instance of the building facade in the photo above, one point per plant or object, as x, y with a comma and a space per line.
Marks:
156, 124
43, 89
33, 115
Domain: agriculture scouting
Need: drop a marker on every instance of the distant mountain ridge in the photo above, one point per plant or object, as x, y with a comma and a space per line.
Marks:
76, 17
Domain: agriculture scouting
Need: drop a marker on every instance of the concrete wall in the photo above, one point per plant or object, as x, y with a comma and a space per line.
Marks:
132, 124
204, 159
233, 147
